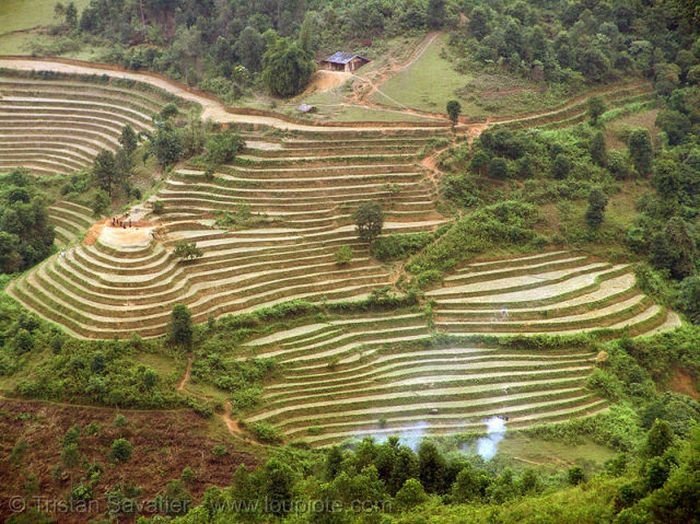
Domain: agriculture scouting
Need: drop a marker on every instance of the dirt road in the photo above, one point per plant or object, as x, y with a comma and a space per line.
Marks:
212, 109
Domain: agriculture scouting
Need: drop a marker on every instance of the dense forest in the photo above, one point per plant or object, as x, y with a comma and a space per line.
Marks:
226, 46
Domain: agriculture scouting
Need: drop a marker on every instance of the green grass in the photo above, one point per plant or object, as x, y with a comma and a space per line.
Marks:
432, 80
19, 15
15, 43
531, 451
618, 129
418, 86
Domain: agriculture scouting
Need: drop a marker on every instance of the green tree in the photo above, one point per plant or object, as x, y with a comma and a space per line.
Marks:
168, 112
101, 203
596, 108
105, 171
561, 166
10, 259
308, 32
432, 467
181, 330
287, 68
71, 16
222, 148
334, 462
597, 202
436, 13
469, 485
498, 168
689, 298
278, 480
454, 109
674, 249
166, 144
369, 221
411, 494
121, 450
250, 48
659, 438
666, 178
128, 139
479, 22
656, 471
641, 151
598, 149
675, 124
23, 341
576, 475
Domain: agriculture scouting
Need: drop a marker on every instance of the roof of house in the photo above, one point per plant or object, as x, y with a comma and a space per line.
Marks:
343, 58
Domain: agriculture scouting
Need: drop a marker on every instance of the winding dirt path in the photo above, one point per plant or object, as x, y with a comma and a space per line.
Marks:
232, 424
212, 109
371, 84
186, 377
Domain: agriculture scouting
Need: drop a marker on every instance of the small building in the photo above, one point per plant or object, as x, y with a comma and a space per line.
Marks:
342, 61
306, 108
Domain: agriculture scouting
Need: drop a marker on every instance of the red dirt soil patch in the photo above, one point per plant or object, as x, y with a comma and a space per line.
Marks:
683, 382
164, 442
94, 232
323, 80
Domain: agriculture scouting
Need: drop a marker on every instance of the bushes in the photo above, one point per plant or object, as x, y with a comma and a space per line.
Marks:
26, 237
508, 223
187, 250
95, 372
597, 202
396, 247
222, 148
689, 298
343, 256
121, 450
266, 433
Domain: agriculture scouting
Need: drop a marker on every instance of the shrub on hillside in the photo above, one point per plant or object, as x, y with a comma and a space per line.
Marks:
222, 148
507, 223
121, 450
187, 250
266, 433
397, 247
689, 298
343, 256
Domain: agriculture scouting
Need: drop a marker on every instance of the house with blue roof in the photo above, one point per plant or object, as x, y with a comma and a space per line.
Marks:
342, 61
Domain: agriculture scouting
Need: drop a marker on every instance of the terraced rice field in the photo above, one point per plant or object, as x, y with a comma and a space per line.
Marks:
381, 375
60, 125
70, 221
270, 225
301, 192
558, 292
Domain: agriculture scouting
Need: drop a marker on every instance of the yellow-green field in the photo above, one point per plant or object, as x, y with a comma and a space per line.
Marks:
19, 15
429, 82
416, 86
